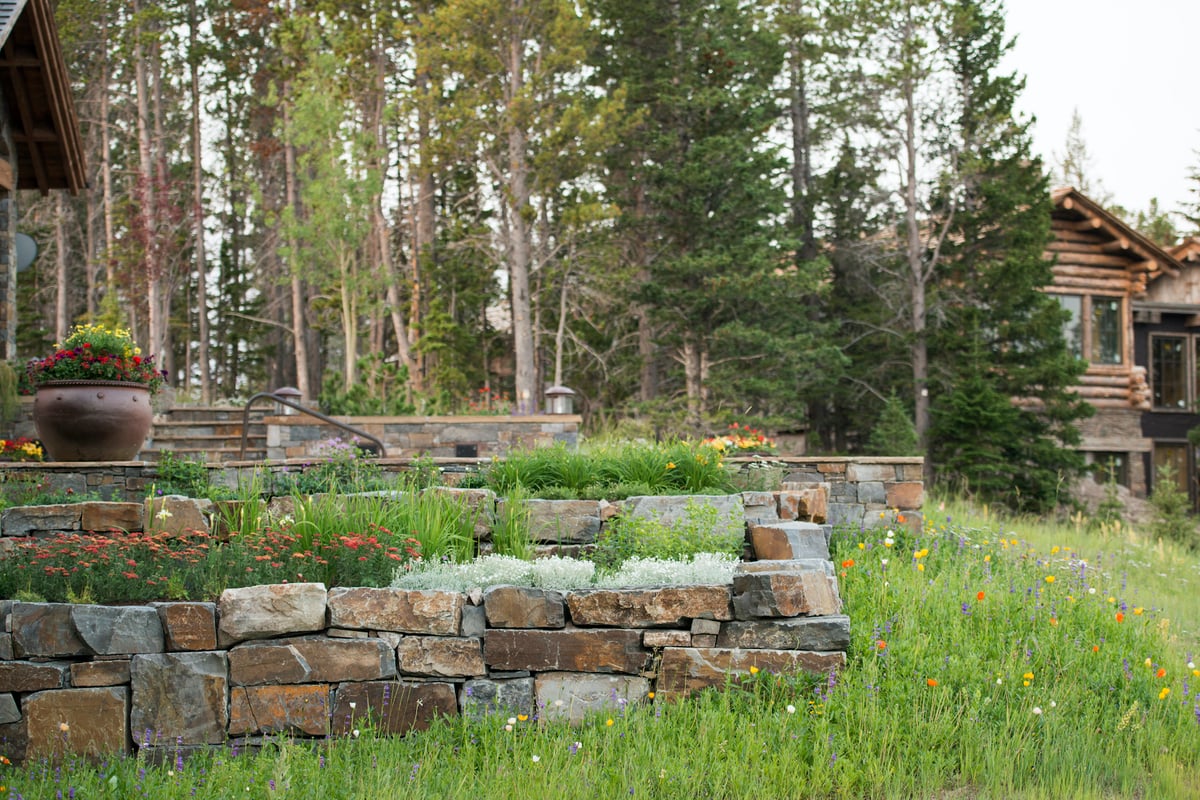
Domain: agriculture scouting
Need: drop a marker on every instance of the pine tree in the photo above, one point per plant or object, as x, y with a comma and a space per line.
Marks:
894, 434
1002, 378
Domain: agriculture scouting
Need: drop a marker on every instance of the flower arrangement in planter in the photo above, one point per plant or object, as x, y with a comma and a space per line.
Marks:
93, 395
742, 439
95, 353
20, 449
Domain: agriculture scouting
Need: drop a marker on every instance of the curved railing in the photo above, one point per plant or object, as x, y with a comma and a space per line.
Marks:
378, 447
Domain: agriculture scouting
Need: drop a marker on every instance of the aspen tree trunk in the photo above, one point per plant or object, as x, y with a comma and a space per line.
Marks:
110, 278
198, 219
61, 315
519, 235
150, 267
300, 344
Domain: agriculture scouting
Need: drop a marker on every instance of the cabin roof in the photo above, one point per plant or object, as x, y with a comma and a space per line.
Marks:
1143, 254
34, 81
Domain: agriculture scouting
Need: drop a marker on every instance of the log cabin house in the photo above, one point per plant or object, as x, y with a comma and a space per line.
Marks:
1135, 310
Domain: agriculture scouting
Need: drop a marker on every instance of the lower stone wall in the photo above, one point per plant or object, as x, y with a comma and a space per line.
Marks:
850, 491
298, 436
306, 661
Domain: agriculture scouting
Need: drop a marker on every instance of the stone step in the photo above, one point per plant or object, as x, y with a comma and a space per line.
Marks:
213, 413
184, 429
208, 455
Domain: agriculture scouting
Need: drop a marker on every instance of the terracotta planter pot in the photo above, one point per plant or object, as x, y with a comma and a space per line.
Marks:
92, 420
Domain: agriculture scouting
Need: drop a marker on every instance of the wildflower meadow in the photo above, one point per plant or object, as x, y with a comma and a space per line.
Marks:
990, 658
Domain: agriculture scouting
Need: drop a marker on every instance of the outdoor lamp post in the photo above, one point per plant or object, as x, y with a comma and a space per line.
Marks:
560, 400
290, 393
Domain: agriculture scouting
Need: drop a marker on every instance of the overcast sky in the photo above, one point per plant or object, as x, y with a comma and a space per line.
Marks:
1131, 68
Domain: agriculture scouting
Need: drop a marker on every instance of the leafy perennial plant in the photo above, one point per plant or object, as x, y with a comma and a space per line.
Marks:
94, 353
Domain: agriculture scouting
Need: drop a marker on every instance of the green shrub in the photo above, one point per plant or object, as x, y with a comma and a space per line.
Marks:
700, 530
1171, 506
559, 473
185, 476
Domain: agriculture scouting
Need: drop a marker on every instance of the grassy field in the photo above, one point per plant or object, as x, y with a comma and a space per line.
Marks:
990, 658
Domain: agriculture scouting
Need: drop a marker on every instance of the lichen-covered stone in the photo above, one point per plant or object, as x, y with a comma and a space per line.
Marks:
441, 657
9, 712
118, 630
804, 501
188, 625
562, 521
177, 514
181, 697
310, 659
393, 706
572, 696
279, 709
45, 629
100, 673
400, 610
669, 606
788, 540
26, 520
26, 676
666, 638
261, 612
570, 650
786, 591
484, 696
684, 670
801, 633
89, 722
103, 516
523, 607
672, 510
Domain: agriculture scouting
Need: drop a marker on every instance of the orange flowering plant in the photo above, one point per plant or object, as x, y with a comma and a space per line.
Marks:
742, 439
94, 353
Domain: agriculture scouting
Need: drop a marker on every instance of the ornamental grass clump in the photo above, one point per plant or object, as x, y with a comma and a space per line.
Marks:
95, 353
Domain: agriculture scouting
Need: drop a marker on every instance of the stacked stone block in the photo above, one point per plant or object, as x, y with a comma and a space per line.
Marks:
304, 661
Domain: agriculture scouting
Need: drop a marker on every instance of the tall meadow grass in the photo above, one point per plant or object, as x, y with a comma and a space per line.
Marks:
990, 658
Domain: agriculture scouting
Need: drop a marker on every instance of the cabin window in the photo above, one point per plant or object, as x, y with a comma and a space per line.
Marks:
1169, 372
1171, 462
1096, 330
1107, 467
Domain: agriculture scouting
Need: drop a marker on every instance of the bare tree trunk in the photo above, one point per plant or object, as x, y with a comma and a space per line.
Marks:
61, 315
519, 234
647, 352
198, 218
802, 212
694, 368
299, 334
157, 325
110, 278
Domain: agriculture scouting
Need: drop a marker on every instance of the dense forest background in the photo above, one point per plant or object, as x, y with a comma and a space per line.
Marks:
813, 215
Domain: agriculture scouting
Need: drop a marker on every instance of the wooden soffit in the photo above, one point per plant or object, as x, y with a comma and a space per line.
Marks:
35, 84
1113, 243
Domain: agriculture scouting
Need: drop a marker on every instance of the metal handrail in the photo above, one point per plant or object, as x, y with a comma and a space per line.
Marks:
304, 410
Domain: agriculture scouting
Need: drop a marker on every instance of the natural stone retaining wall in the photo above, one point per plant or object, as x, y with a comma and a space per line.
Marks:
298, 436
306, 661
825, 490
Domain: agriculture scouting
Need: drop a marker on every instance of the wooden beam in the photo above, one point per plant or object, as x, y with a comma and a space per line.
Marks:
1117, 245
6, 175
1096, 260
1089, 224
1089, 284
1086, 272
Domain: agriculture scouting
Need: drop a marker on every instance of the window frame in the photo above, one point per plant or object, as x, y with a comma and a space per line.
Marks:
1191, 379
1084, 323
